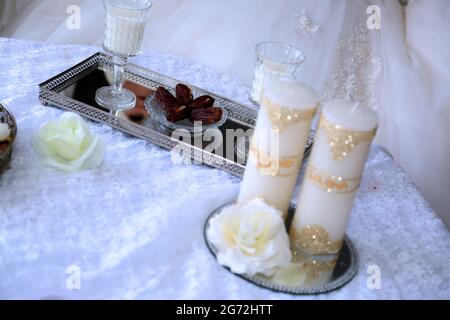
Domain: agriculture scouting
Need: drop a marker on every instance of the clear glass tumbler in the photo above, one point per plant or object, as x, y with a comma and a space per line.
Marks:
274, 58
124, 31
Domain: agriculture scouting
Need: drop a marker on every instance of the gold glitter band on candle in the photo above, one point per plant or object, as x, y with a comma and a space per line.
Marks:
314, 240
282, 117
342, 141
280, 167
330, 183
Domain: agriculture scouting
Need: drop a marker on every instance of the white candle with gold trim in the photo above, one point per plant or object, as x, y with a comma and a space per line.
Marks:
278, 143
332, 176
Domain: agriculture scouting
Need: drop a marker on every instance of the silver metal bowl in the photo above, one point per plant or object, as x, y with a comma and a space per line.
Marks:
5, 156
157, 113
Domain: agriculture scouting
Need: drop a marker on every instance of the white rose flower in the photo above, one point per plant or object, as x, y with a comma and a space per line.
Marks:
250, 239
68, 144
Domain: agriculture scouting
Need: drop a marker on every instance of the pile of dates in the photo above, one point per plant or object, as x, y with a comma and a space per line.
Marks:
184, 106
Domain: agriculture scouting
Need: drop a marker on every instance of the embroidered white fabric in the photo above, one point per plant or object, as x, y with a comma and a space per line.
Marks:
134, 226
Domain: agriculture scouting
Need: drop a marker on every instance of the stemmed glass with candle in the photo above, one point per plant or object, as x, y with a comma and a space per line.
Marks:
124, 31
276, 58
273, 59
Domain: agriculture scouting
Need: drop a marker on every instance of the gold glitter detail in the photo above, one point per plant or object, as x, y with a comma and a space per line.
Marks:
315, 240
282, 117
330, 183
342, 141
280, 167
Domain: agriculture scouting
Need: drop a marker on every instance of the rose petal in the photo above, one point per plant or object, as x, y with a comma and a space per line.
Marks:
78, 162
64, 147
96, 159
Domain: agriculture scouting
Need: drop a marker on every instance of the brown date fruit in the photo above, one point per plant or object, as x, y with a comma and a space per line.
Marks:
202, 102
177, 113
207, 116
184, 94
165, 99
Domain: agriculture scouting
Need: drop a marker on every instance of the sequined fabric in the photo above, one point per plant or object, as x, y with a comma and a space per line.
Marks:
356, 70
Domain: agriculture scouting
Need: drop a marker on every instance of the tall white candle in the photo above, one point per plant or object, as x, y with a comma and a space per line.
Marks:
332, 177
278, 144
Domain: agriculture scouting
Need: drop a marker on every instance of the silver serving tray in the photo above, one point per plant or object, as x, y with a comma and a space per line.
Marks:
344, 271
7, 117
74, 90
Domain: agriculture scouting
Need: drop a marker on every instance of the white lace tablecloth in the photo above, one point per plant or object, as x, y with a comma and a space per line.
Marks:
134, 227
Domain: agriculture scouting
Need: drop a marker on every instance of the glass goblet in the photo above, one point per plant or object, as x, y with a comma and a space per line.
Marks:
124, 31
276, 58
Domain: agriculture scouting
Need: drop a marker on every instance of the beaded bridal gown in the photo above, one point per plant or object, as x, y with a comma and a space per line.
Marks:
400, 70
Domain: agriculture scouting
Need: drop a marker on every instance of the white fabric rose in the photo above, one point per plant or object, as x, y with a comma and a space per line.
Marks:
68, 144
250, 239
5, 132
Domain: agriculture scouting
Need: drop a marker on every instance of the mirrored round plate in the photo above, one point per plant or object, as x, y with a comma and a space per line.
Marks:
6, 147
157, 114
308, 274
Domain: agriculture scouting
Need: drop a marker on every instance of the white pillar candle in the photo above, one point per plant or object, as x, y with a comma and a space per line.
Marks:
332, 177
278, 143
